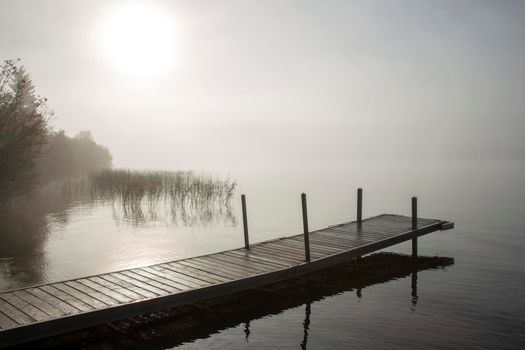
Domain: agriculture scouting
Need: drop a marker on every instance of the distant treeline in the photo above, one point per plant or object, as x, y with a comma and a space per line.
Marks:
63, 156
32, 153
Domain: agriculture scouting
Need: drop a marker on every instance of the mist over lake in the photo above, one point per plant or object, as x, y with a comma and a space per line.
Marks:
130, 129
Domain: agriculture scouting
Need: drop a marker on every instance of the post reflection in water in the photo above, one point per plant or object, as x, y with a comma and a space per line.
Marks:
246, 331
414, 288
306, 323
196, 326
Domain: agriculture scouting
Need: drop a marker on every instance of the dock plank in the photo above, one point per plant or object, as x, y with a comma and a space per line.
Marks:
138, 275
6, 322
240, 261
85, 298
293, 260
170, 275
120, 298
25, 307
18, 316
203, 267
205, 276
39, 303
145, 293
283, 263
183, 273
246, 253
117, 288
233, 265
92, 292
69, 299
66, 308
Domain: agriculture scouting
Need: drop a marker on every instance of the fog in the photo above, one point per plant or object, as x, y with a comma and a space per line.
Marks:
286, 82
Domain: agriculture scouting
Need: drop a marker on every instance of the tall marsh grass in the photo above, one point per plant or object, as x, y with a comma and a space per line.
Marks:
141, 195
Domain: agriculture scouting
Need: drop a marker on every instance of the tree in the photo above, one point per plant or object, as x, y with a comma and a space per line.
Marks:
65, 156
23, 128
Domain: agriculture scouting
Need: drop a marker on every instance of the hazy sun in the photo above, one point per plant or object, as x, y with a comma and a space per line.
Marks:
139, 39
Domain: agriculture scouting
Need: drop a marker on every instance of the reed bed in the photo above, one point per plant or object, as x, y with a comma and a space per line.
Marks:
136, 195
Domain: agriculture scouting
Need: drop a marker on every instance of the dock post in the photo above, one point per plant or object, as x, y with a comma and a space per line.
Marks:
245, 222
414, 226
305, 228
359, 204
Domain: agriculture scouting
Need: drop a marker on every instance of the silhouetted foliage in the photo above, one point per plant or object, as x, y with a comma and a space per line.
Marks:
65, 156
23, 129
30, 152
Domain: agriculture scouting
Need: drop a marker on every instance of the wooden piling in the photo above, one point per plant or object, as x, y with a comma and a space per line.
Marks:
305, 228
245, 222
359, 204
414, 226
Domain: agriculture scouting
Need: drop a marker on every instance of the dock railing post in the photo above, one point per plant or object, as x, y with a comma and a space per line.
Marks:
305, 228
359, 205
245, 222
414, 226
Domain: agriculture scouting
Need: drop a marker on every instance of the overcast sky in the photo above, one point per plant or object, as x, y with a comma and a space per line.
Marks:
276, 82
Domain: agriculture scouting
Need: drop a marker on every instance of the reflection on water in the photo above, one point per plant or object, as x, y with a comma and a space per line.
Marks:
134, 199
187, 325
477, 304
306, 323
139, 197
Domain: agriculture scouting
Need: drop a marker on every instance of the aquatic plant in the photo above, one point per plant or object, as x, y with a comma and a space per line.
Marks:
137, 194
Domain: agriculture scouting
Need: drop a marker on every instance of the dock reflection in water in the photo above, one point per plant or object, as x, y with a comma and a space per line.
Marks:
190, 325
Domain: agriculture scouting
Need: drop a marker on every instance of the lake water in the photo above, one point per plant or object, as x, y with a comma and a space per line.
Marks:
476, 303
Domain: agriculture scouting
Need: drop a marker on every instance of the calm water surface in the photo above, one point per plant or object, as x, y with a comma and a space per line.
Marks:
476, 303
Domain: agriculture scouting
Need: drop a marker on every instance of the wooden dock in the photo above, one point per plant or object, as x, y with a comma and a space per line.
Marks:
41, 311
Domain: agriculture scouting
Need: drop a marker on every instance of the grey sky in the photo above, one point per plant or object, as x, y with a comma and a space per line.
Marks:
272, 82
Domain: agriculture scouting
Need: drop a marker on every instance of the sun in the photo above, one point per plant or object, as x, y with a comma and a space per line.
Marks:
139, 39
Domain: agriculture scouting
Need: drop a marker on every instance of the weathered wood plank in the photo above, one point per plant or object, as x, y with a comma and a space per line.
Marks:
140, 283
258, 261
124, 284
244, 252
39, 303
69, 299
59, 304
215, 266
25, 307
213, 270
204, 276
363, 235
273, 255
106, 291
289, 254
343, 238
167, 275
92, 292
179, 272
172, 281
328, 241
262, 255
326, 249
241, 262
6, 322
299, 244
148, 280
86, 298
359, 234
15, 314
297, 251
234, 265
117, 288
